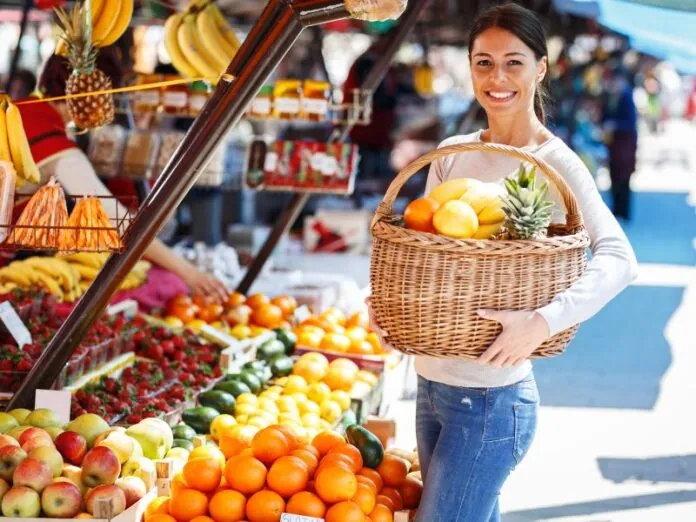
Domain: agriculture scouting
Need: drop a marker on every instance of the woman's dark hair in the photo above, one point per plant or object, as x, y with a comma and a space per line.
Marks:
57, 70
526, 26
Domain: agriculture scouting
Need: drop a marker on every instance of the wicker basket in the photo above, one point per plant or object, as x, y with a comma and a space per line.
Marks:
427, 288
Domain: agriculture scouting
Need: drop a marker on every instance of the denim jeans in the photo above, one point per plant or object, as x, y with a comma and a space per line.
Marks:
469, 439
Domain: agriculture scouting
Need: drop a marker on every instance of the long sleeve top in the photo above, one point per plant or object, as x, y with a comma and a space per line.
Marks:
612, 268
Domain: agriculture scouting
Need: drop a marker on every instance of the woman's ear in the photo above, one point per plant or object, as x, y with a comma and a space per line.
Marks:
542, 68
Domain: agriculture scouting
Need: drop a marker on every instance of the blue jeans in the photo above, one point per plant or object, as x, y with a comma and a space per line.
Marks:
469, 439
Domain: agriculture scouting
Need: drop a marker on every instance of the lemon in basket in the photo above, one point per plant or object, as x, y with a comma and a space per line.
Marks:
456, 219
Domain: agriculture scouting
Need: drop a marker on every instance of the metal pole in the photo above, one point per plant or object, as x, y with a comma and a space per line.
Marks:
340, 134
28, 4
280, 24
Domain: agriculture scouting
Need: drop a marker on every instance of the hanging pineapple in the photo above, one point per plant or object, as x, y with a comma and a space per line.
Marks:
526, 208
88, 112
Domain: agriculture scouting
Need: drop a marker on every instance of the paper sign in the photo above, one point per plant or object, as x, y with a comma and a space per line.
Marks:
55, 400
14, 324
401, 516
302, 313
288, 517
129, 308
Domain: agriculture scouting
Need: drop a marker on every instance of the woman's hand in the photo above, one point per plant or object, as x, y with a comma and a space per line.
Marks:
381, 334
523, 332
205, 284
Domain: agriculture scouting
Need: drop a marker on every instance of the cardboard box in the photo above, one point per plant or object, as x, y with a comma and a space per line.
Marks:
384, 430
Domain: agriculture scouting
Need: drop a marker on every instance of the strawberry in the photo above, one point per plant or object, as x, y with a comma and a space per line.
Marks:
25, 365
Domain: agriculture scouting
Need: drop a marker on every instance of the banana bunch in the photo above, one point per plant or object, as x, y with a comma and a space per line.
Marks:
89, 264
110, 19
14, 146
54, 275
199, 40
423, 80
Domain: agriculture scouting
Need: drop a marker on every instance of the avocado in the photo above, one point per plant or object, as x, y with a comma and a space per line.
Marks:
367, 443
234, 388
270, 349
183, 443
251, 380
288, 338
232, 377
281, 366
200, 418
220, 400
182, 431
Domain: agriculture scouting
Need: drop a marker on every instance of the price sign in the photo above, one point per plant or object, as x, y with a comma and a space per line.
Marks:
288, 517
58, 401
14, 324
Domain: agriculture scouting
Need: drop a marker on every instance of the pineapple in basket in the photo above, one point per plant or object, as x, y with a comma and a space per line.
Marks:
88, 112
527, 211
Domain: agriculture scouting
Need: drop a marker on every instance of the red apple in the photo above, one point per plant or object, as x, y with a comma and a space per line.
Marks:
37, 442
133, 487
10, 457
110, 492
72, 446
100, 466
32, 432
74, 475
6, 440
51, 457
21, 502
61, 499
32, 473
4, 487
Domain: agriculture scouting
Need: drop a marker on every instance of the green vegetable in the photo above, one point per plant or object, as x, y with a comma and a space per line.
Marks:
281, 366
288, 338
220, 400
182, 431
369, 445
183, 443
251, 380
270, 349
234, 388
200, 418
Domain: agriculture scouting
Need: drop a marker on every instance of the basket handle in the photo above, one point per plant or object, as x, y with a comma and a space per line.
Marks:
573, 217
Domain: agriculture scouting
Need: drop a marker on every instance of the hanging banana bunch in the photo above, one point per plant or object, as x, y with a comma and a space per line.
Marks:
199, 40
110, 19
14, 146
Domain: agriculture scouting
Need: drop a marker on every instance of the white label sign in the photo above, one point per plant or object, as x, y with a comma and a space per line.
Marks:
14, 324
288, 517
56, 401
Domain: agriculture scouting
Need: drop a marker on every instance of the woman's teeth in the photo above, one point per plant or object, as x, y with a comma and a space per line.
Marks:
501, 95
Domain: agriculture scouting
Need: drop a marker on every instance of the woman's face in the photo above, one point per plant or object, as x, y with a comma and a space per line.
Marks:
505, 73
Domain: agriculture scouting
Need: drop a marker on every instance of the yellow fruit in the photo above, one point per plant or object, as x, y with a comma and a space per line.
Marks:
246, 398
277, 390
241, 332
300, 398
342, 398
267, 404
486, 202
325, 425
208, 452
281, 382
311, 420
315, 357
318, 392
356, 333
273, 396
330, 411
196, 325
289, 417
174, 322
360, 389
309, 407
456, 219
453, 189
242, 418
259, 422
286, 404
295, 384
220, 425
367, 377
488, 231
245, 408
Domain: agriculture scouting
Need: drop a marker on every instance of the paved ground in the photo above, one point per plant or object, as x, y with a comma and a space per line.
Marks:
617, 434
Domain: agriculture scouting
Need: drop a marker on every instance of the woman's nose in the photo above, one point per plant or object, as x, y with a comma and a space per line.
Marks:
498, 73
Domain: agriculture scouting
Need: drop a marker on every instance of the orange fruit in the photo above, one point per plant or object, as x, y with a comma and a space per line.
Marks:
235, 299
411, 491
335, 484
339, 379
336, 459
386, 501
366, 481
351, 452
393, 470
395, 496
289, 435
374, 477
246, 474
265, 506
161, 517
419, 214
232, 444
307, 504
203, 474
203, 519
346, 511
312, 449
287, 476
268, 316
310, 371
215, 310
158, 505
257, 300
335, 342
456, 219
381, 513
286, 303
87, 515
361, 348
326, 440
308, 458
228, 506
365, 497
360, 319
310, 339
270, 444
188, 504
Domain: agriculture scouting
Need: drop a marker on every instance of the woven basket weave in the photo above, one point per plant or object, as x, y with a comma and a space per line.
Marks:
427, 288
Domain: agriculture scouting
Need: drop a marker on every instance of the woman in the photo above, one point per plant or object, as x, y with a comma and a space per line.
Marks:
475, 420
60, 157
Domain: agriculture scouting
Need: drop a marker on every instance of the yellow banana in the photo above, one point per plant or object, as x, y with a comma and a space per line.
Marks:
122, 21
193, 50
104, 23
5, 154
97, 8
19, 146
213, 39
84, 285
87, 273
17, 274
95, 260
227, 31
171, 42
49, 284
56, 268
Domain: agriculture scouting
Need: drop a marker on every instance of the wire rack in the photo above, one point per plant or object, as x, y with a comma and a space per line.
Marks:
72, 239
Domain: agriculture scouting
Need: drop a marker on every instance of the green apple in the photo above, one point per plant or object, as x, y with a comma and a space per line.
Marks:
7, 422
120, 443
50, 456
89, 425
54, 431
21, 502
164, 427
178, 453
20, 414
140, 467
74, 475
15, 433
151, 440
42, 418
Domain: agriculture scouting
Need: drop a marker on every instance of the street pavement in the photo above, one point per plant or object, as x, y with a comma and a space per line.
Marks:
616, 440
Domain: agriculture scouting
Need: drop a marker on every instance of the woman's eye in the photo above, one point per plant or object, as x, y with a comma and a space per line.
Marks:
483, 63
514, 62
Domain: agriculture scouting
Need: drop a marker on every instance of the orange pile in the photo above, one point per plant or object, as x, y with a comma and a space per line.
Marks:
275, 474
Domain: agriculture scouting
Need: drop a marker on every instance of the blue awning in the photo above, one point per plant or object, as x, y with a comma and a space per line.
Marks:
584, 8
